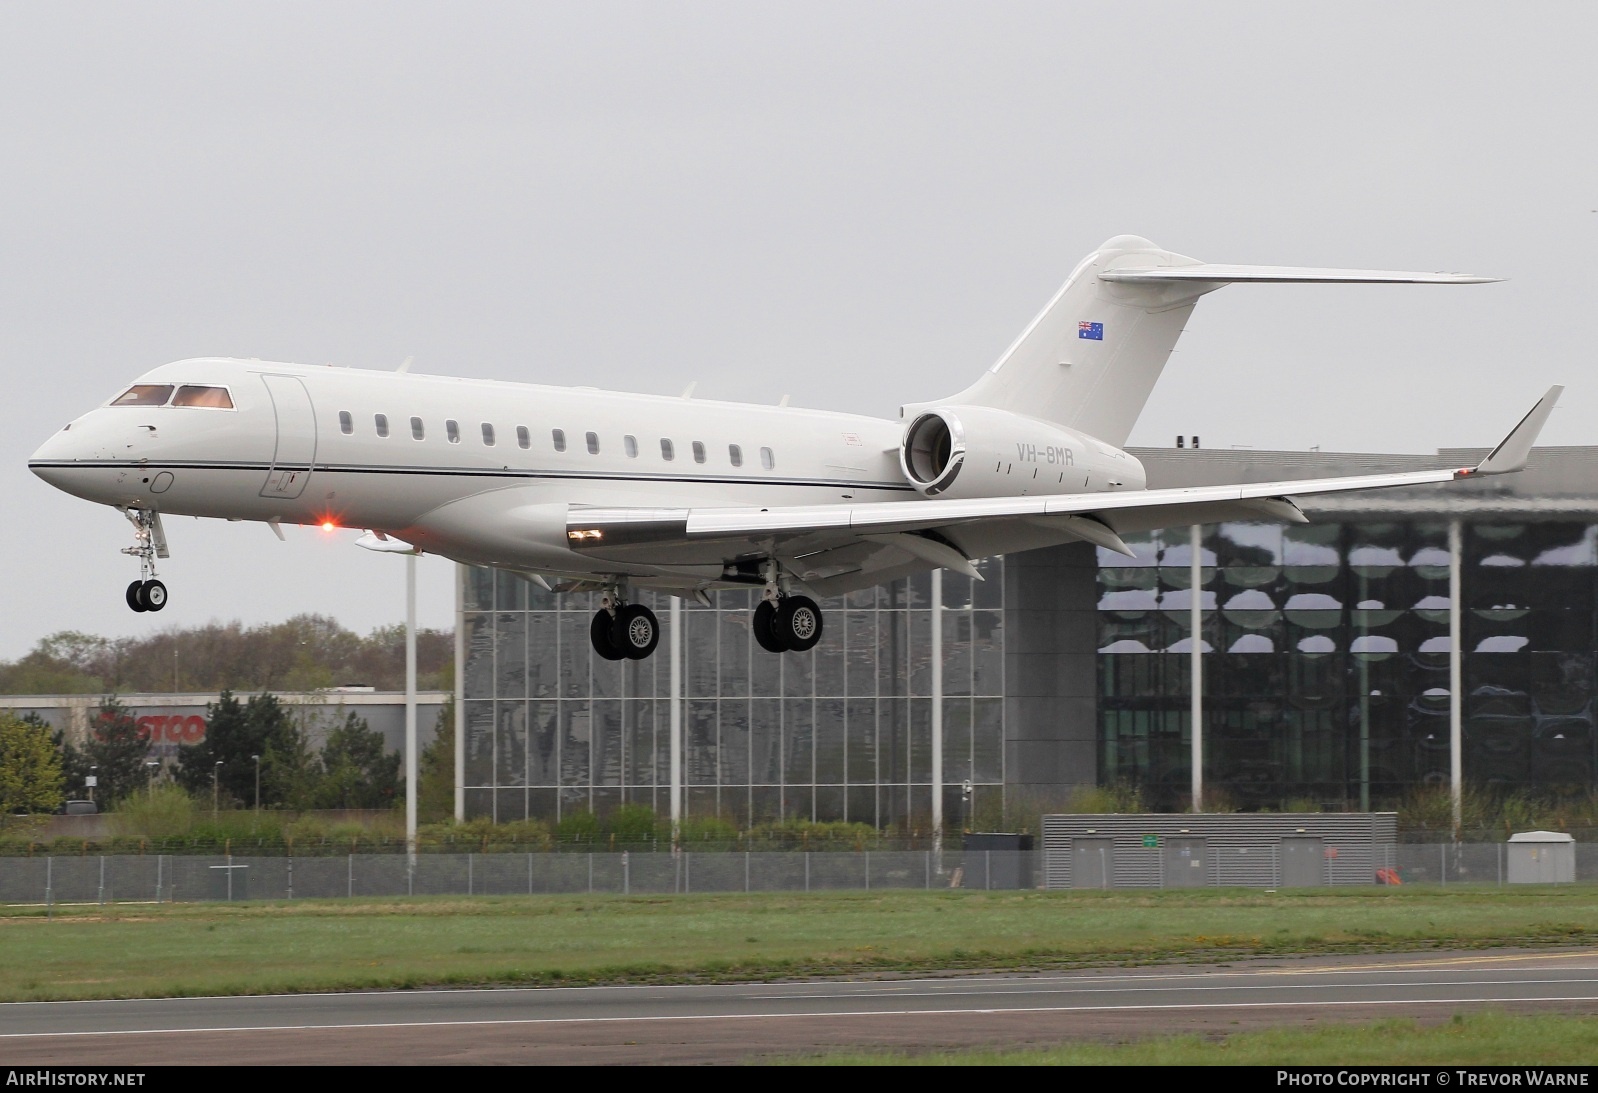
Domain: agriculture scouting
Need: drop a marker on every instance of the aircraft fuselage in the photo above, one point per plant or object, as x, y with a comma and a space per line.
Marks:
402, 453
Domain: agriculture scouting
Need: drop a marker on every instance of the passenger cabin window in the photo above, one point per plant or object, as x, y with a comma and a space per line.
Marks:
593, 443
381, 421
215, 398
736, 455
699, 451
631, 444
524, 439
452, 431
560, 439
488, 434
667, 452
144, 394
346, 424
767, 460
417, 432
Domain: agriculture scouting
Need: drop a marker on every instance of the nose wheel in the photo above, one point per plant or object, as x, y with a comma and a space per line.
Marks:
146, 595
149, 543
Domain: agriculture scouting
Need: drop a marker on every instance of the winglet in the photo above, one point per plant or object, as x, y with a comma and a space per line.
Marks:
1511, 453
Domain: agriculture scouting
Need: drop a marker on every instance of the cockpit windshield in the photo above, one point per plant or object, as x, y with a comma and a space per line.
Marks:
157, 394
216, 397
144, 394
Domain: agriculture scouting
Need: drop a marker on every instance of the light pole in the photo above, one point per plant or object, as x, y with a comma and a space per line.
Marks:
150, 767
92, 781
216, 791
257, 759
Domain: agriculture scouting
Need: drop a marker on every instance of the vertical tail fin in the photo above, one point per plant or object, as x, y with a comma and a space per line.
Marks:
1091, 358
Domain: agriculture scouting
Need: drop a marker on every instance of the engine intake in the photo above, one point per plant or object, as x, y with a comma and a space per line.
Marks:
933, 451
961, 452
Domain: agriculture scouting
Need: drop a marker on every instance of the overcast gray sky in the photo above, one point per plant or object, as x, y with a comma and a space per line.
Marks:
854, 203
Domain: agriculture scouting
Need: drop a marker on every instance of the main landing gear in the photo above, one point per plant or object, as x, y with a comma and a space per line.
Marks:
785, 623
623, 631
149, 543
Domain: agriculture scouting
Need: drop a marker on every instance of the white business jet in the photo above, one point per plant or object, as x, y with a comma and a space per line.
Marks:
581, 489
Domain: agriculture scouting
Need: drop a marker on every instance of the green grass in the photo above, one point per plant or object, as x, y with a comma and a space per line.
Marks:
1480, 1039
134, 950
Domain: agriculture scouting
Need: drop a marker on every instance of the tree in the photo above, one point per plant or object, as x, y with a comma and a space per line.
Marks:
357, 769
118, 751
304, 652
30, 766
435, 775
235, 733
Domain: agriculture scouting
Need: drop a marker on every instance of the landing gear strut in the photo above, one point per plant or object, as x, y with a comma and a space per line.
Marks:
623, 631
149, 543
785, 623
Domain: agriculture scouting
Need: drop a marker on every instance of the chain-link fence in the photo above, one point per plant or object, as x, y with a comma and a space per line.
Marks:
164, 878
119, 878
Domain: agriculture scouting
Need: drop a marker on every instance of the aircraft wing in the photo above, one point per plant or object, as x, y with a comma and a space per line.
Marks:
835, 548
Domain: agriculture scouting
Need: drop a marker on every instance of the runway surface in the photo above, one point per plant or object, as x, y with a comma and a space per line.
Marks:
750, 1021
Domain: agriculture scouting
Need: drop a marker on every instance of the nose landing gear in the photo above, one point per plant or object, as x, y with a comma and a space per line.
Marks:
149, 543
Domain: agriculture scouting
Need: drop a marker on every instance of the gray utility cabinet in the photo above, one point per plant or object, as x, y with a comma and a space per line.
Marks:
1187, 850
1542, 857
997, 859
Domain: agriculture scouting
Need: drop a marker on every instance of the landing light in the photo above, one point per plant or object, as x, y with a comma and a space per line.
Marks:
328, 525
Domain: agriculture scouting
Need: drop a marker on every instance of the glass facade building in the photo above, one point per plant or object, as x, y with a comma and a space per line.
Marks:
1326, 667
1326, 660
842, 732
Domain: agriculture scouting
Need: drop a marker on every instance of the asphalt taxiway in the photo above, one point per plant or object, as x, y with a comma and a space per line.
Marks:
746, 1022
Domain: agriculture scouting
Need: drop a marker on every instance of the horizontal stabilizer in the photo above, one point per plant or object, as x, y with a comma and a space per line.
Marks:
1215, 273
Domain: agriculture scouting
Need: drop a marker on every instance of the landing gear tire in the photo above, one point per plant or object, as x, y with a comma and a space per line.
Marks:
635, 631
153, 595
797, 623
135, 599
599, 634
765, 633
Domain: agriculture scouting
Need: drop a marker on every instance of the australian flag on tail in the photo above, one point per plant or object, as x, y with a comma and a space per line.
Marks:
1093, 332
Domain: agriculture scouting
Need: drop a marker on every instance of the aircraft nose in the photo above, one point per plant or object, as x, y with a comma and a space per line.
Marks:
57, 447
52, 460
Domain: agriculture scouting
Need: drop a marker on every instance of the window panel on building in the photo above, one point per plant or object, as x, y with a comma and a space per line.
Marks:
798, 741
607, 742
576, 748
510, 744
860, 740
829, 735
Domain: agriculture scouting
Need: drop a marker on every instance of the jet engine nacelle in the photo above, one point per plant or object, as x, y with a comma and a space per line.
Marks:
976, 451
